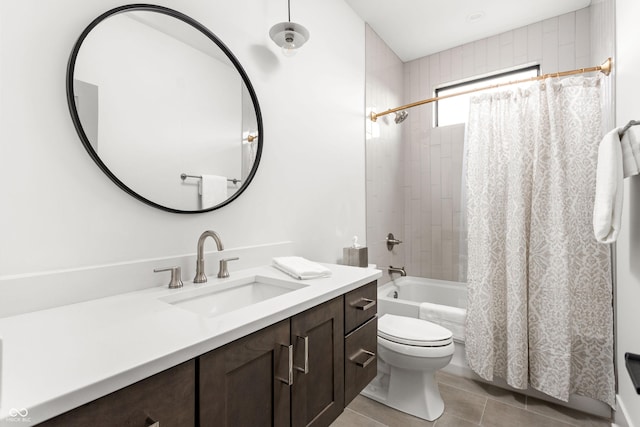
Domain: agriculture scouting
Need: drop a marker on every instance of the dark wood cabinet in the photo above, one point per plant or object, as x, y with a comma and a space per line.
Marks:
361, 342
360, 365
166, 399
246, 382
317, 393
360, 305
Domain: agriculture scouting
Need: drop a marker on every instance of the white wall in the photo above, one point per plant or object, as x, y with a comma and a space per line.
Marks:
59, 211
627, 64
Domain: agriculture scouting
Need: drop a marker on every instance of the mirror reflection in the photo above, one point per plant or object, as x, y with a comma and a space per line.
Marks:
165, 110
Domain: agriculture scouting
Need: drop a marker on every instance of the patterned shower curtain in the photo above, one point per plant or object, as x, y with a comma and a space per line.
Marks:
540, 298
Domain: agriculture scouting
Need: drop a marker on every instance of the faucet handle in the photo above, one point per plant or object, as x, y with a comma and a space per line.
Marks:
176, 276
223, 271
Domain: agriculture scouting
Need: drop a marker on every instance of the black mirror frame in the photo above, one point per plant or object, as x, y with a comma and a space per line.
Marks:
83, 137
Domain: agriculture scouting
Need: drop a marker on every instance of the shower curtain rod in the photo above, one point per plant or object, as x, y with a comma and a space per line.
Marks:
604, 68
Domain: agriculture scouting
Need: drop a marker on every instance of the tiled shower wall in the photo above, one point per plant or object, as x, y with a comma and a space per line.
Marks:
603, 45
431, 157
385, 178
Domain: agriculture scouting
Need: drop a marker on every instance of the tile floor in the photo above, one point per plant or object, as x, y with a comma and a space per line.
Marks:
470, 403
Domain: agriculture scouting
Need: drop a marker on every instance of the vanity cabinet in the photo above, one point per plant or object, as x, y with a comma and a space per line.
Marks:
166, 399
301, 371
317, 393
291, 373
246, 382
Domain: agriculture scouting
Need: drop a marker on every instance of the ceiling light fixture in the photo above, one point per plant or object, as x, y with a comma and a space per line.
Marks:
289, 35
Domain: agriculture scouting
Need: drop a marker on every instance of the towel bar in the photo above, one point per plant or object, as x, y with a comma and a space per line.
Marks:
184, 176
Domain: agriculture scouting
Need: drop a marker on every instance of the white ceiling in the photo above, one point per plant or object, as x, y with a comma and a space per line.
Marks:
417, 28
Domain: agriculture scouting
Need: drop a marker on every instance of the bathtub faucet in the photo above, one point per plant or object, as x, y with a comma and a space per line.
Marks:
400, 270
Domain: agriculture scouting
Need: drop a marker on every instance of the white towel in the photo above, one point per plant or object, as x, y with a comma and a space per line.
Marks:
212, 190
629, 160
607, 206
300, 268
452, 318
630, 142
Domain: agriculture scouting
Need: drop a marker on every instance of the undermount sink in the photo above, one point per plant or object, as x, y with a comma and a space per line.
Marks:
216, 299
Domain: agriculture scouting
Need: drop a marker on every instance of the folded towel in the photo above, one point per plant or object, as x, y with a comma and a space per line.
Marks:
454, 314
300, 268
607, 206
452, 318
212, 190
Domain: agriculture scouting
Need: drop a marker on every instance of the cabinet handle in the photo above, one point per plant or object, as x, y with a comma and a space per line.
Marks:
304, 369
289, 380
364, 304
363, 354
149, 422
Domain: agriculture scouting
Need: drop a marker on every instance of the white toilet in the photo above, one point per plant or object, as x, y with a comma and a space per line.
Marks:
414, 349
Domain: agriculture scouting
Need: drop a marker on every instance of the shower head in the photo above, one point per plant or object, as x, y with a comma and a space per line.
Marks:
400, 116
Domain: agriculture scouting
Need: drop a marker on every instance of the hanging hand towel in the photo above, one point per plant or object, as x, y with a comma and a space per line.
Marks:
300, 268
607, 206
629, 164
630, 153
212, 190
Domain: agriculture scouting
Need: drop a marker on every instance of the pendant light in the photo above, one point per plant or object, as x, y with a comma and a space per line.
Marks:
289, 35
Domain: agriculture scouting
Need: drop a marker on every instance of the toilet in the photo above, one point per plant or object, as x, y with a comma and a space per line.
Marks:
413, 350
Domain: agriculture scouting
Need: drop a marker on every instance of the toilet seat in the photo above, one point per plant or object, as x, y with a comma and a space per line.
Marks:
413, 332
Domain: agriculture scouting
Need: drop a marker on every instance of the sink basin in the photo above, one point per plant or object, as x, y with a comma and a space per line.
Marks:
214, 300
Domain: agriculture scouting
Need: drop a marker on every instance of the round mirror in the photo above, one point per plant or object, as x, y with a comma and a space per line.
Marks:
164, 108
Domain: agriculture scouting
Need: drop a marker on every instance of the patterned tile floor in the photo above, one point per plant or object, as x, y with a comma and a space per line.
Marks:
470, 403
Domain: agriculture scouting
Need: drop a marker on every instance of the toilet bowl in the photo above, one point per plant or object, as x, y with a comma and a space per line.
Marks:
414, 349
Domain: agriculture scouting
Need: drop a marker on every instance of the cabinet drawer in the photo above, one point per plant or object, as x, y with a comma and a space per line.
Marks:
360, 364
360, 305
167, 398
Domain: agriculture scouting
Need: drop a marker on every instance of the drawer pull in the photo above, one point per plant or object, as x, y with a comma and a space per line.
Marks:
305, 368
288, 381
363, 358
364, 304
152, 423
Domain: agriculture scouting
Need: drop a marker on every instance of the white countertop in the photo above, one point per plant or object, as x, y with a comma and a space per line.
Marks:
57, 359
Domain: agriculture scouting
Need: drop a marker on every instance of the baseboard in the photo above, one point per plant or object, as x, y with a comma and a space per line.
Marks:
621, 419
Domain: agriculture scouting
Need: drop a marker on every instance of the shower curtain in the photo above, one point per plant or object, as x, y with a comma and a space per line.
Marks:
540, 299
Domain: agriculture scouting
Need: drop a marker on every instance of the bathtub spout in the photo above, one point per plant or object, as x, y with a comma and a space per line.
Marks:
400, 270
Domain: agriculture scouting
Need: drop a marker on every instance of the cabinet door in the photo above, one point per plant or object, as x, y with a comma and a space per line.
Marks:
166, 399
317, 394
246, 382
360, 305
360, 348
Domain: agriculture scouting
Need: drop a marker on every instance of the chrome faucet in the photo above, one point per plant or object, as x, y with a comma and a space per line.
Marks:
397, 270
200, 276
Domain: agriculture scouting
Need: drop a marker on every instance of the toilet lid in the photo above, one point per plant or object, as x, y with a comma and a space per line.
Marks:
412, 331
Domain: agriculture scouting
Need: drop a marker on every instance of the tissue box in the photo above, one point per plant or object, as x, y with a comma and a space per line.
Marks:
357, 257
